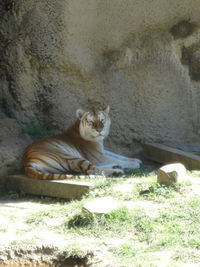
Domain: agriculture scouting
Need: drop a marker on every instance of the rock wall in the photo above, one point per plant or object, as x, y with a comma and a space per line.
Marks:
141, 57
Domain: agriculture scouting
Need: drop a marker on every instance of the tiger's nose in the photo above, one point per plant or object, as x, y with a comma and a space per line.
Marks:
99, 129
98, 126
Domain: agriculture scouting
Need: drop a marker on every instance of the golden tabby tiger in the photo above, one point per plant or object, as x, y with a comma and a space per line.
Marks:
79, 149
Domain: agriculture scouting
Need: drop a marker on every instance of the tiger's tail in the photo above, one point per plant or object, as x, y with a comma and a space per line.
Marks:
31, 172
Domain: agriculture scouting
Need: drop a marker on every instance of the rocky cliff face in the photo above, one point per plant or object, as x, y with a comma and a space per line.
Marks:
140, 57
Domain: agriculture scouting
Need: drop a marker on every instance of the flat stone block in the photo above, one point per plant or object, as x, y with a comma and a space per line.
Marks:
53, 188
164, 154
103, 205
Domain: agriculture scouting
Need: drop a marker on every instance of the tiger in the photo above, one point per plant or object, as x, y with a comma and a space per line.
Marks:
78, 150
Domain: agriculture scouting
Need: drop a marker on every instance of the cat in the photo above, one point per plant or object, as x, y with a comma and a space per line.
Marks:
79, 149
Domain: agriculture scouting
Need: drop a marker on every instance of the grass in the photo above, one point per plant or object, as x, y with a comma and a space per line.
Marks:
114, 223
155, 224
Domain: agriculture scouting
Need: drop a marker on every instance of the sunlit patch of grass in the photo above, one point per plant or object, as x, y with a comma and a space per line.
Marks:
195, 173
186, 255
74, 252
119, 222
114, 222
37, 218
126, 250
178, 225
56, 210
26, 241
151, 190
143, 233
74, 249
3, 229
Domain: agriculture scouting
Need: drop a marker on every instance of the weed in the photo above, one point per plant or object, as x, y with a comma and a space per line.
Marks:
126, 251
195, 173
3, 229
116, 221
73, 256
178, 225
11, 195
121, 221
80, 220
186, 255
38, 217
144, 226
151, 190
74, 250
36, 131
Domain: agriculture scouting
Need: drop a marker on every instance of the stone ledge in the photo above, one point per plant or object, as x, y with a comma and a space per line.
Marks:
67, 189
165, 154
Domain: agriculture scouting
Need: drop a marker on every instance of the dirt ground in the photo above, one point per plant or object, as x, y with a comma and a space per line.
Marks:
31, 235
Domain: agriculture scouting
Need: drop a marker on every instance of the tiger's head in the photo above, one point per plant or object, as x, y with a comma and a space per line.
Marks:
94, 126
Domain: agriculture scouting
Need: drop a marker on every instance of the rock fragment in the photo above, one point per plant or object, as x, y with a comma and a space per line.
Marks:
171, 173
103, 205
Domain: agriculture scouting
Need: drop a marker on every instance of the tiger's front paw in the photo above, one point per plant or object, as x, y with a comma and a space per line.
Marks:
117, 172
136, 164
114, 172
137, 161
117, 167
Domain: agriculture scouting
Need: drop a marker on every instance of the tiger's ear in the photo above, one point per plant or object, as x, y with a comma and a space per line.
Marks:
107, 110
79, 113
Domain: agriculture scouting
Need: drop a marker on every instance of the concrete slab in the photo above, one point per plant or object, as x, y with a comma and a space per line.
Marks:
54, 188
102, 205
165, 154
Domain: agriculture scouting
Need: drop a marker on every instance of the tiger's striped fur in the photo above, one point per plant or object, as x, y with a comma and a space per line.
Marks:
79, 149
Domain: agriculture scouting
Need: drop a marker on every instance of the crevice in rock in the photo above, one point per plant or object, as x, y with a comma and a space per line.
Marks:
191, 57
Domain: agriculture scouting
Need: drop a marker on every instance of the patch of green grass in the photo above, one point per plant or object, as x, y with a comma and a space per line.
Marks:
144, 226
37, 218
103, 187
186, 255
36, 131
195, 173
55, 210
74, 250
101, 182
125, 251
178, 225
119, 222
10, 195
175, 227
113, 222
28, 241
151, 190
167, 221
3, 229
